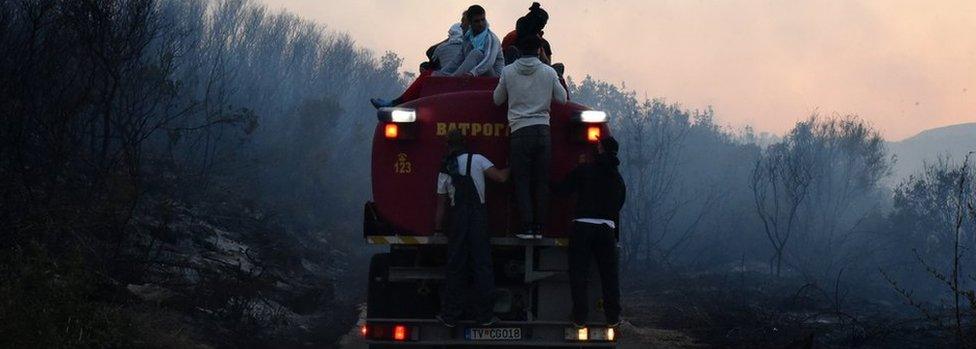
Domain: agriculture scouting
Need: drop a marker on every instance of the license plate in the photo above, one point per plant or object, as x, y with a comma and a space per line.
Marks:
493, 334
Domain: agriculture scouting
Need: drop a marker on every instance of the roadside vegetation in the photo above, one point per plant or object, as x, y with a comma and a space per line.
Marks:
163, 168
748, 240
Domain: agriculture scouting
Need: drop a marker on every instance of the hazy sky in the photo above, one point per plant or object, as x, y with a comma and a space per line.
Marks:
903, 65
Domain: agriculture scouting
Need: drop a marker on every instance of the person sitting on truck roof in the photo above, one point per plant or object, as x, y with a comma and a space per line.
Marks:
446, 56
462, 182
531, 24
483, 51
600, 195
529, 87
443, 60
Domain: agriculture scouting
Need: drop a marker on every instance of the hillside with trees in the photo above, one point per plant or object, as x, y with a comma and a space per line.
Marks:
190, 173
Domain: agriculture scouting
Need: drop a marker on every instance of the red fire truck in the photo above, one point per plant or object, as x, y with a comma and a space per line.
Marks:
532, 287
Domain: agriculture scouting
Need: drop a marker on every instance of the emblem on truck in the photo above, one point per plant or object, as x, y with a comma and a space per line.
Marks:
486, 129
402, 164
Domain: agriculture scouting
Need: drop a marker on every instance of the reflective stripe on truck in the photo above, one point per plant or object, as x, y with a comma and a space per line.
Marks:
441, 240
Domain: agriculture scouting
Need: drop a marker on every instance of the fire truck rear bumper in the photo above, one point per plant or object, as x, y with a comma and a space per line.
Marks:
426, 332
379, 232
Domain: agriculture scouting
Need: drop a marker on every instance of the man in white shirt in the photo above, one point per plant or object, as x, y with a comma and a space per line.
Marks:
461, 182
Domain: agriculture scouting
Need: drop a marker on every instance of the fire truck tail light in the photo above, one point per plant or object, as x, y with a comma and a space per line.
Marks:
591, 334
590, 117
391, 131
390, 332
401, 115
593, 133
396, 115
593, 116
400, 333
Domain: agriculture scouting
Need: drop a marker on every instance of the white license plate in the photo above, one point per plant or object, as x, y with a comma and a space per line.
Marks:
493, 334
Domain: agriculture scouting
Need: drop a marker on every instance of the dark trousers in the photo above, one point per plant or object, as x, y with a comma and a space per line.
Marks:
530, 154
468, 255
595, 240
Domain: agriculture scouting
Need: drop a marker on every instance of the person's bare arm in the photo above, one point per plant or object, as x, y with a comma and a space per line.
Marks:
545, 50
439, 212
559, 94
497, 175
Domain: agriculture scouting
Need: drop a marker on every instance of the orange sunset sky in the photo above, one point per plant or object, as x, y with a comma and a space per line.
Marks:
905, 66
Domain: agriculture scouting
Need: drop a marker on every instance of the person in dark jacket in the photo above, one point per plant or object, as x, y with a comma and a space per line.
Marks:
532, 23
600, 194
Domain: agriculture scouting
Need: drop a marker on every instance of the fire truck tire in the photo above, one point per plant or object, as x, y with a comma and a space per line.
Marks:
379, 297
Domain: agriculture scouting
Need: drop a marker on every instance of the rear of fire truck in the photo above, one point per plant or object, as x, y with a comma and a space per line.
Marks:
532, 294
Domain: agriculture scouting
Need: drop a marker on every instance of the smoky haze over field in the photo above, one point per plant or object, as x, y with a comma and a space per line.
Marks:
180, 173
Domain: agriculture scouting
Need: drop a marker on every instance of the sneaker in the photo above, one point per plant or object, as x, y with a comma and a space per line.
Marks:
489, 322
444, 321
380, 103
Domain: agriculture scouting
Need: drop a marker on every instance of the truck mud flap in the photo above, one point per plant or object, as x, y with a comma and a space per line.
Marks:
373, 224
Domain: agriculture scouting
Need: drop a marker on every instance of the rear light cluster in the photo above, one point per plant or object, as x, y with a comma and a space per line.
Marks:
396, 115
587, 334
399, 123
593, 133
388, 332
592, 116
591, 124
391, 131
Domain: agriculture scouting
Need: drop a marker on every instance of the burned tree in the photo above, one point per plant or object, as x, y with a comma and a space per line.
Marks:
780, 184
935, 212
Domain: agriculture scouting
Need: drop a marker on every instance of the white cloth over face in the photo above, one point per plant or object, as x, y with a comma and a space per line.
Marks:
448, 53
455, 34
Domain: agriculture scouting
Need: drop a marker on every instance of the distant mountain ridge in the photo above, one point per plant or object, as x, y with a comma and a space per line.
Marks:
912, 153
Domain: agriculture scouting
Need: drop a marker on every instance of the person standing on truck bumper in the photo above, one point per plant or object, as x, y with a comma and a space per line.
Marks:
462, 182
600, 194
530, 86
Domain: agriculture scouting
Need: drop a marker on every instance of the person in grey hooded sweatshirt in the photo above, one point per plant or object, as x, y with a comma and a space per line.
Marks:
447, 54
530, 86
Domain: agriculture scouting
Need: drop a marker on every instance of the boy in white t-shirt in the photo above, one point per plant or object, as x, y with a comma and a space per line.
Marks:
462, 183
